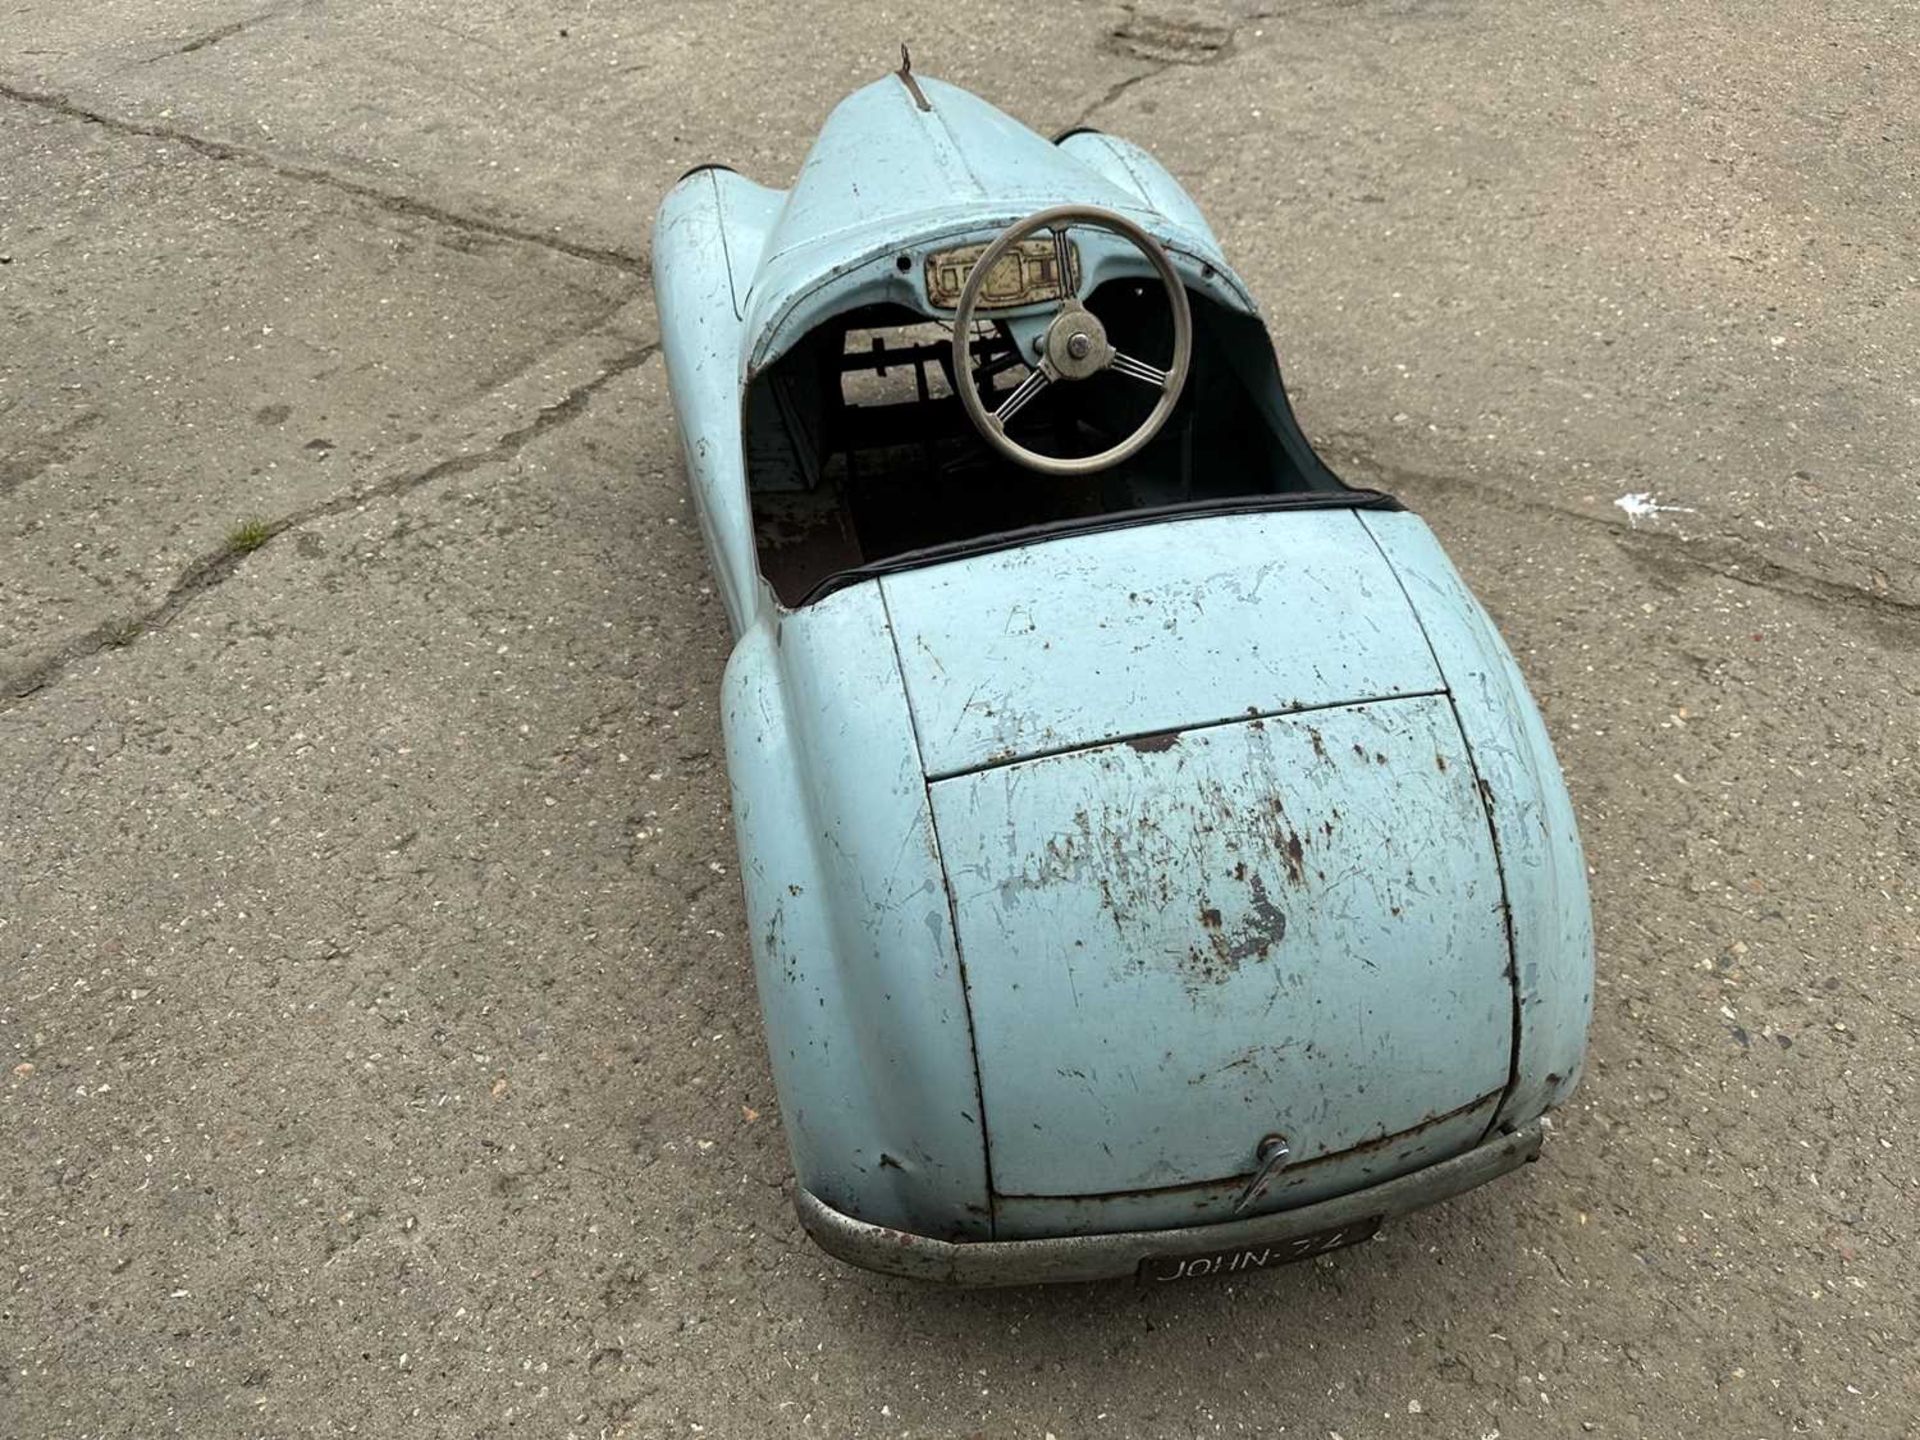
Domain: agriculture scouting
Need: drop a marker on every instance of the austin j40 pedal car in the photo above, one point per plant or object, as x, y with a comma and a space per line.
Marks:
1154, 861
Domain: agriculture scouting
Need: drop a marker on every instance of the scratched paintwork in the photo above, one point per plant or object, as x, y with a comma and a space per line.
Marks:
1142, 1011
701, 335
1008, 834
1177, 624
1529, 810
851, 933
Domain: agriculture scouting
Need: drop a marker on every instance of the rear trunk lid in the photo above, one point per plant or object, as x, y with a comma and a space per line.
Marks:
1177, 945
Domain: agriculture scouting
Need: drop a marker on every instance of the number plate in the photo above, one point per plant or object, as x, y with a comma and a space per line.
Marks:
1242, 1259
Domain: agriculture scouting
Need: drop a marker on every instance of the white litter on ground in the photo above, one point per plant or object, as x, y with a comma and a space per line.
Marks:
1640, 505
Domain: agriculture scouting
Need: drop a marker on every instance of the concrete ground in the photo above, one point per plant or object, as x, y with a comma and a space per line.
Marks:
380, 1050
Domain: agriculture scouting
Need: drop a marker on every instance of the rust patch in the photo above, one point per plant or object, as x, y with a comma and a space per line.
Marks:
1253, 938
1441, 761
1319, 745
1154, 744
1296, 859
905, 73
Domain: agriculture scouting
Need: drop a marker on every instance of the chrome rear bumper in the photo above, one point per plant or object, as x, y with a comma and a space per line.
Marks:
1105, 1257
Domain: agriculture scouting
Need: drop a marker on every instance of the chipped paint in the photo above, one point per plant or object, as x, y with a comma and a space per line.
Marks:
843, 876
1260, 929
1317, 938
1544, 876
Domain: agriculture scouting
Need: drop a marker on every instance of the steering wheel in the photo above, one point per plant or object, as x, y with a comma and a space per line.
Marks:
1075, 344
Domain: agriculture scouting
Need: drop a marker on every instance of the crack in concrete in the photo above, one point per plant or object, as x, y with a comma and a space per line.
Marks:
210, 39
223, 33
224, 151
213, 37
1738, 562
1166, 43
1114, 92
1724, 556
217, 566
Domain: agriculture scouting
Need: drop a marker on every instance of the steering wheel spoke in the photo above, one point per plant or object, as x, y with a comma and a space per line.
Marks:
1138, 369
1017, 398
1063, 260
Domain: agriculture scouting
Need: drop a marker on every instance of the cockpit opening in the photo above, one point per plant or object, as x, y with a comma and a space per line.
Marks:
858, 449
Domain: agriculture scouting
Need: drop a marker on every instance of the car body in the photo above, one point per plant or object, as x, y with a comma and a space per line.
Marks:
1159, 869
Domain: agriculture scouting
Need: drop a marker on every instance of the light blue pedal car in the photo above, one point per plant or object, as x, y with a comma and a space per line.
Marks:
1154, 862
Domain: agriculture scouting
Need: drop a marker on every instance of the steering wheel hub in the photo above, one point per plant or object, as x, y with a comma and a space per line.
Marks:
1077, 343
